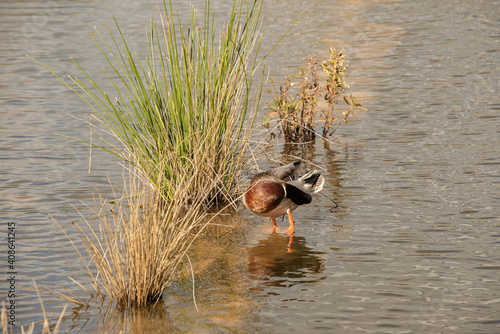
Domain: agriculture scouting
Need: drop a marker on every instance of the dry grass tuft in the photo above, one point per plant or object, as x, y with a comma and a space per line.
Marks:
137, 243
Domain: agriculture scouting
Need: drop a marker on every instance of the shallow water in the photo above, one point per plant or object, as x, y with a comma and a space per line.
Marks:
413, 246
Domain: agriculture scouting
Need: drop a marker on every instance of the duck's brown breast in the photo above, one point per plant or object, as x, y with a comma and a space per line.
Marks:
264, 196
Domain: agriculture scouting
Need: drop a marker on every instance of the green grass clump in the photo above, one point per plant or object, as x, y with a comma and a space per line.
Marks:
187, 103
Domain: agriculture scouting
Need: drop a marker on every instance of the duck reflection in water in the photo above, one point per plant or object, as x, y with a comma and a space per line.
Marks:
280, 260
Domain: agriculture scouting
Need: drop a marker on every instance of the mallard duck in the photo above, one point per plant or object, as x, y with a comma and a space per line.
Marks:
280, 190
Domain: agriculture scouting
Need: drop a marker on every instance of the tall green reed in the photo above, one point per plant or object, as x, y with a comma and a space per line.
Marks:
187, 102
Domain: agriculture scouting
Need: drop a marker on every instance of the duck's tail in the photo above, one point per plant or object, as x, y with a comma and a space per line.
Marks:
312, 182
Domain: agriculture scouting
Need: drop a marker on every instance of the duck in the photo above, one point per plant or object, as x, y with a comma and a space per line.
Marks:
280, 191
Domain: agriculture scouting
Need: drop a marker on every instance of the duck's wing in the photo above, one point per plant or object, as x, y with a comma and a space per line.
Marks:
297, 196
288, 172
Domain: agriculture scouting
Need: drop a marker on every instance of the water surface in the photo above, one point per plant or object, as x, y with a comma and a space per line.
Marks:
413, 245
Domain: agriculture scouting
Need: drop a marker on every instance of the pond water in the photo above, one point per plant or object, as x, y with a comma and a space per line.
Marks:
413, 246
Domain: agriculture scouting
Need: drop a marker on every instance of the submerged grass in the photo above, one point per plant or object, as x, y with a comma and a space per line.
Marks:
7, 323
188, 101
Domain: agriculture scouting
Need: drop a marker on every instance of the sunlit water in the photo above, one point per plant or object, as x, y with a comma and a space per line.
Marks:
414, 244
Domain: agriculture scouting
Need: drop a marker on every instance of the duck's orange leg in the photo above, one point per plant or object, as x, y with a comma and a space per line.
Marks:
290, 229
273, 229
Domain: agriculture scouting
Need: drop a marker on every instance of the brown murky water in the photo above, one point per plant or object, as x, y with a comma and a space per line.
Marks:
414, 244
